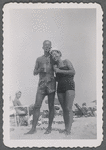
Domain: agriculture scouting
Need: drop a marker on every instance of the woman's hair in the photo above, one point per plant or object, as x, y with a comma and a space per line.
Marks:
57, 51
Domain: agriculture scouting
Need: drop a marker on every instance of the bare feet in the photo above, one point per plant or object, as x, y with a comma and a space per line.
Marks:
62, 131
67, 133
48, 131
32, 131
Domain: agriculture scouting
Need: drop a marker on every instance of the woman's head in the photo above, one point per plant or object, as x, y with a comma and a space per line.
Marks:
56, 55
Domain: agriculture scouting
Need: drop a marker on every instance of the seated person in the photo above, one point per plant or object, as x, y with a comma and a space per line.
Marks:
12, 111
21, 110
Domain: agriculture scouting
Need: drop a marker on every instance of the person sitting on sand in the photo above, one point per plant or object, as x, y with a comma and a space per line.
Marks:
66, 87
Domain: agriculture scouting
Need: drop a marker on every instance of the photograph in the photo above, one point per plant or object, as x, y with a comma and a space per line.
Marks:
52, 75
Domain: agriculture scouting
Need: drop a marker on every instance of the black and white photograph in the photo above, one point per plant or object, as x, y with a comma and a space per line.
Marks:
52, 75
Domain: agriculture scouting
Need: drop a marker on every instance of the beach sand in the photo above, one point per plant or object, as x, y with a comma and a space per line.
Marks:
82, 128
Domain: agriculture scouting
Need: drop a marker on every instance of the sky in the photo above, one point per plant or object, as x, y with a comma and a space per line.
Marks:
72, 31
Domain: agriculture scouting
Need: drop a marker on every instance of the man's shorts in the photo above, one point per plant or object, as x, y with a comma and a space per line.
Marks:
47, 87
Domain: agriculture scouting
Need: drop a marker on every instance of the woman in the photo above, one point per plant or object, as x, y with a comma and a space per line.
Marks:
66, 87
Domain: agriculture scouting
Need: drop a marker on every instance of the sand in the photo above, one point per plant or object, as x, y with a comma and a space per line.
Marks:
82, 128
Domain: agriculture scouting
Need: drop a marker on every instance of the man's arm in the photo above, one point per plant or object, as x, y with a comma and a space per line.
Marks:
36, 69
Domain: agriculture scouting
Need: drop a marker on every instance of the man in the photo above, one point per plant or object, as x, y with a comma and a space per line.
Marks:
21, 110
46, 86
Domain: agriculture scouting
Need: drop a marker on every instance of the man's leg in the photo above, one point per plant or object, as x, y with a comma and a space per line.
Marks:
51, 97
36, 111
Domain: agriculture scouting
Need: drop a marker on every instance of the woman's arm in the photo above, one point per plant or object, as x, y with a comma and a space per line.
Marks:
71, 70
55, 67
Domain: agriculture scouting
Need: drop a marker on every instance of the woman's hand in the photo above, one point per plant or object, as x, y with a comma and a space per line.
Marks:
57, 70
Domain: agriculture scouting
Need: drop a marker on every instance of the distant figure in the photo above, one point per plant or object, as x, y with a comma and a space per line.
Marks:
46, 86
84, 109
12, 111
66, 87
21, 110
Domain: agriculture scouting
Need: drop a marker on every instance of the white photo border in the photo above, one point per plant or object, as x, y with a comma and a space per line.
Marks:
99, 67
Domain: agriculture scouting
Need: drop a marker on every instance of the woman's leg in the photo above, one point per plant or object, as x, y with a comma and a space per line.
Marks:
61, 98
69, 98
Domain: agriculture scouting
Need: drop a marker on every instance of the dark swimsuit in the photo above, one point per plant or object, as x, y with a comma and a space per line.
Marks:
65, 82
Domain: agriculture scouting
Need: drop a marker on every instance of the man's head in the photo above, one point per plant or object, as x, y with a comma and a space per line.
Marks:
47, 45
18, 94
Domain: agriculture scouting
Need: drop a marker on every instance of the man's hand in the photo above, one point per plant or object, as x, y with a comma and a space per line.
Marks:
41, 70
38, 71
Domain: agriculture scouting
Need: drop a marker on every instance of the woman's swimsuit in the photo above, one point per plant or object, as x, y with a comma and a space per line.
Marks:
65, 81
